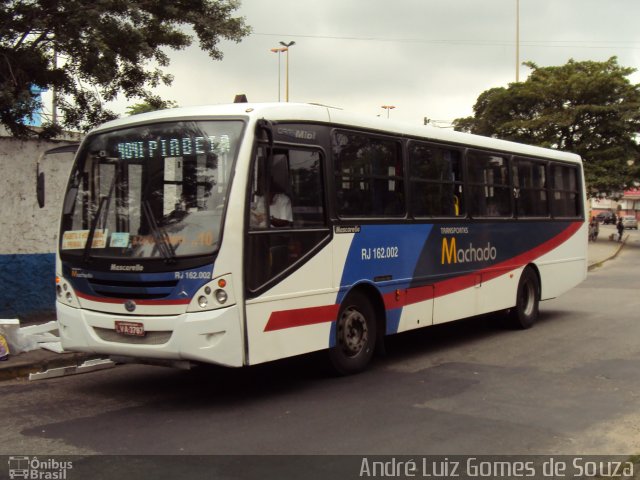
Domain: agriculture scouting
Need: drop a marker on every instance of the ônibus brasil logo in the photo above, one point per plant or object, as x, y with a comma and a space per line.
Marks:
452, 254
38, 469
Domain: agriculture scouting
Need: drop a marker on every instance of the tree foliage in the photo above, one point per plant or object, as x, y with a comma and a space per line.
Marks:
590, 108
103, 47
152, 104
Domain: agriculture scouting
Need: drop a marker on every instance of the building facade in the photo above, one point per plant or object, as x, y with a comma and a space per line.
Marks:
629, 204
28, 234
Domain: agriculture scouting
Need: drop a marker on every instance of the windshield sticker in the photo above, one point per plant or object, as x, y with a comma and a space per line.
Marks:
142, 240
76, 239
119, 240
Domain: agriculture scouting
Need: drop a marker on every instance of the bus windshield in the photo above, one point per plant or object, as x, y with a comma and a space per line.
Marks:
151, 191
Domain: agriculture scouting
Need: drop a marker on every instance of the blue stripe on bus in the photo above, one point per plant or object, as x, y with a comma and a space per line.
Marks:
383, 251
150, 288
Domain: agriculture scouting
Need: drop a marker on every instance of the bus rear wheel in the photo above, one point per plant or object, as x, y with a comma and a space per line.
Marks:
526, 311
355, 335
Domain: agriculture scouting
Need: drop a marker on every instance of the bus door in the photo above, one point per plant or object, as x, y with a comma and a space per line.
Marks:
287, 261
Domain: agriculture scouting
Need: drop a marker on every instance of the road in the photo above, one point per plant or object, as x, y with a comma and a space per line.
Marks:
569, 385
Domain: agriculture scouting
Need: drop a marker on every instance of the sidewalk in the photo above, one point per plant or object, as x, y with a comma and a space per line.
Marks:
604, 249
19, 366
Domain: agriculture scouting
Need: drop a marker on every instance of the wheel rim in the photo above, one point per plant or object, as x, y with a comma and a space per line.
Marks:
353, 333
528, 299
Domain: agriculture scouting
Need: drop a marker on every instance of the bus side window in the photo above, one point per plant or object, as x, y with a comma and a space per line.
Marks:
292, 179
369, 175
489, 185
270, 203
436, 181
530, 188
565, 200
307, 192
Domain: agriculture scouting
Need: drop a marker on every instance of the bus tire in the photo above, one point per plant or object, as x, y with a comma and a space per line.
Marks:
355, 335
525, 313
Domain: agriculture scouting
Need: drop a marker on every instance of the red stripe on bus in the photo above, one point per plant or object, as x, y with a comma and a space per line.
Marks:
400, 298
494, 271
138, 302
301, 317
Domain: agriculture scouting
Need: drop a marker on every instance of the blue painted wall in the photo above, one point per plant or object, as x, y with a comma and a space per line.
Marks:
27, 285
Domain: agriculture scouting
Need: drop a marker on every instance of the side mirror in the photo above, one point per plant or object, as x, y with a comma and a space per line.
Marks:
71, 148
40, 189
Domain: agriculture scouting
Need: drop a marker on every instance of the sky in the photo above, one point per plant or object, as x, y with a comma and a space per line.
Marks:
427, 58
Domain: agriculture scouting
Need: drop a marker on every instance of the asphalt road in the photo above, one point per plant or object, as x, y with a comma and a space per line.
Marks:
569, 385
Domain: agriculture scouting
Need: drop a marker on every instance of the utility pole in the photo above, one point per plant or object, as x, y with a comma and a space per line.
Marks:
287, 45
279, 51
517, 41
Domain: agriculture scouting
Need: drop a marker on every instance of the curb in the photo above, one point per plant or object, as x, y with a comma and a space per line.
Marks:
615, 254
20, 366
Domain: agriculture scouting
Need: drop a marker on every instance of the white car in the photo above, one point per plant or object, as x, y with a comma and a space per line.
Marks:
629, 221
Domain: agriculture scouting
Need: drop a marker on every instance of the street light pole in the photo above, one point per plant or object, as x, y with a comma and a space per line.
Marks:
517, 41
287, 45
279, 51
387, 108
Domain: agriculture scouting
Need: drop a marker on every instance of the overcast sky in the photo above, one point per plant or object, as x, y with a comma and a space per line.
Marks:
426, 57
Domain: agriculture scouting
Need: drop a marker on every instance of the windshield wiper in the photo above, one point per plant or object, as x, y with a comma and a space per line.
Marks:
160, 237
92, 230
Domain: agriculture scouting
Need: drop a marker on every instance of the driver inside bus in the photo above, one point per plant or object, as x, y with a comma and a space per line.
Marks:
280, 211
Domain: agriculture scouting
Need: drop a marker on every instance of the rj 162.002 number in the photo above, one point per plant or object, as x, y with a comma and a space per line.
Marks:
380, 253
193, 275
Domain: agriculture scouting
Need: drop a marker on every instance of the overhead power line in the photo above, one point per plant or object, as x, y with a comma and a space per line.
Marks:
599, 44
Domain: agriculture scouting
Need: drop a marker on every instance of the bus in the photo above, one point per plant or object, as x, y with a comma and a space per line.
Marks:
246, 233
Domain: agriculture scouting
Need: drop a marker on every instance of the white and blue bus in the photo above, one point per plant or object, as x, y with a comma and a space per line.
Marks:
241, 234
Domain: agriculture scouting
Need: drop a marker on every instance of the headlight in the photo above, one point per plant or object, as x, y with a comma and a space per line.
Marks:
65, 292
202, 301
221, 296
217, 293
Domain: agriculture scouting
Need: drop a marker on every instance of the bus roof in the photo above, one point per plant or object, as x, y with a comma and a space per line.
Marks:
336, 116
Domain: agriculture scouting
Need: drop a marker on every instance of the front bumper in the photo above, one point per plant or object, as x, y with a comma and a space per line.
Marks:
212, 337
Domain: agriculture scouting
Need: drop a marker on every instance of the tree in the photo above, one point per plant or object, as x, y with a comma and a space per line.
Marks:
150, 105
589, 108
89, 51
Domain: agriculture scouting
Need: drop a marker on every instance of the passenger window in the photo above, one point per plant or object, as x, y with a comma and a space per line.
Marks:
565, 197
436, 181
489, 189
530, 182
368, 176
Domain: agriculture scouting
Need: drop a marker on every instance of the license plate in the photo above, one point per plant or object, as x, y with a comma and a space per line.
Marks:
130, 328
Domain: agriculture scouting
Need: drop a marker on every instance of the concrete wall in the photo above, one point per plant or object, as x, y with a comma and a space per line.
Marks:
28, 234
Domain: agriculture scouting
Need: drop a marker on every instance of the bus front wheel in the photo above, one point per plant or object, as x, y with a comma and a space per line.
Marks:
525, 313
355, 335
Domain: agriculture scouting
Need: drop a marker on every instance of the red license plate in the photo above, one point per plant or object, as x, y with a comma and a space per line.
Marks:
130, 328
